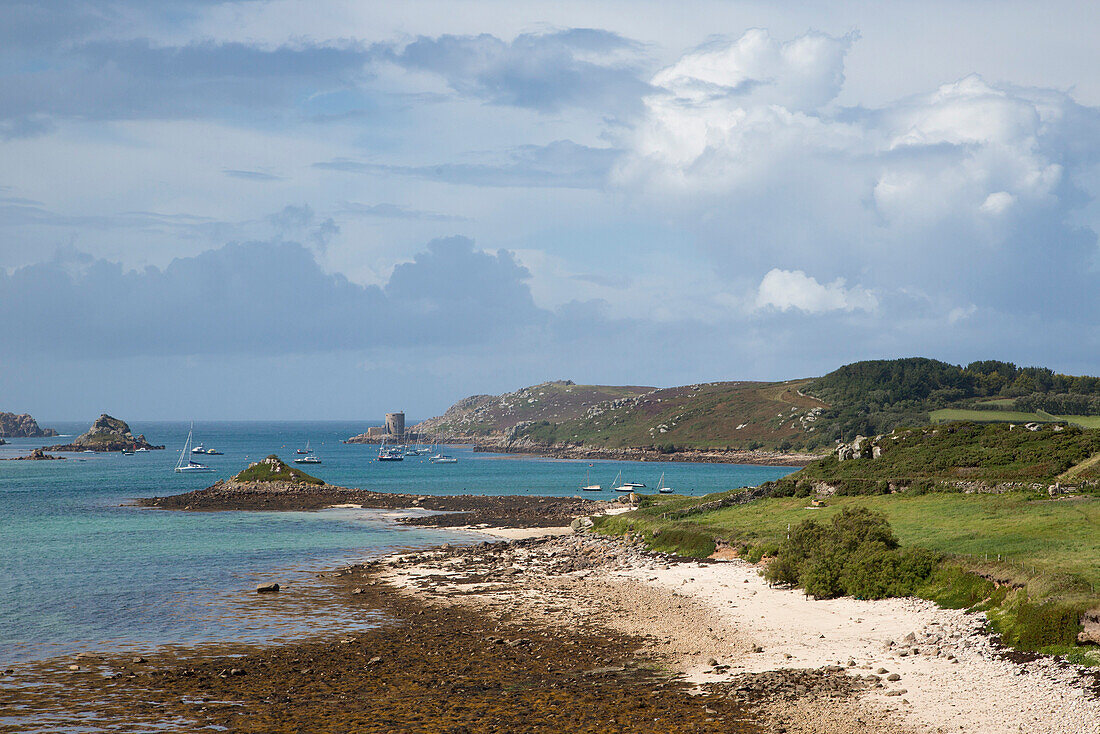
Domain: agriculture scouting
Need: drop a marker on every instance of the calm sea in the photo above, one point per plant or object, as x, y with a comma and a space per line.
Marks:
81, 570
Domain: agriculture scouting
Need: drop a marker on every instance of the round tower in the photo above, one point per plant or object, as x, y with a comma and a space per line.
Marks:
395, 424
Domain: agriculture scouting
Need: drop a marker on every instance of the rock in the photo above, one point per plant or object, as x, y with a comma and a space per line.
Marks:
357, 590
106, 434
139, 659
236, 671
267, 588
1090, 632
882, 671
893, 677
898, 692
21, 425
374, 660
581, 524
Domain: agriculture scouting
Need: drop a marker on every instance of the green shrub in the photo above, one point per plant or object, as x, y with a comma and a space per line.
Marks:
857, 555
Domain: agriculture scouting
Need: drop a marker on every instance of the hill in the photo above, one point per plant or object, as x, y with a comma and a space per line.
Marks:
807, 415
971, 457
274, 469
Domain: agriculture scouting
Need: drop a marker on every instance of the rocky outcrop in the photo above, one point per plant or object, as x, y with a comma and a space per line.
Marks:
21, 425
106, 434
861, 447
36, 455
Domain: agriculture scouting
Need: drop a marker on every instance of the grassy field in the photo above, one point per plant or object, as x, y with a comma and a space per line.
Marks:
1010, 416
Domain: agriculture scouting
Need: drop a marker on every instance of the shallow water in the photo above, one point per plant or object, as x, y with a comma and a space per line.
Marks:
81, 570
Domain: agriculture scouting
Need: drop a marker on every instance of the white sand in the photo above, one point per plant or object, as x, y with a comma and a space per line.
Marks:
976, 694
519, 533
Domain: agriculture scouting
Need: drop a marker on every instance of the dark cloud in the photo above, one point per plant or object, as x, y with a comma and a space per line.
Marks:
394, 211
260, 298
579, 67
250, 175
134, 79
561, 164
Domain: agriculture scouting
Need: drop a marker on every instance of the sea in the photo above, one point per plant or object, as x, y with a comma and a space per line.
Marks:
83, 569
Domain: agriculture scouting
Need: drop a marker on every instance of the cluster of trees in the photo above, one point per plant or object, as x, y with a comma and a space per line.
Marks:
1060, 403
857, 554
877, 396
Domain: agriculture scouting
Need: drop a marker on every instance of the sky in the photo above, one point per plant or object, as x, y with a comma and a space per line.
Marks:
274, 209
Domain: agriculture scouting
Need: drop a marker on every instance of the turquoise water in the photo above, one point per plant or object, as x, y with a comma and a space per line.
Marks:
81, 570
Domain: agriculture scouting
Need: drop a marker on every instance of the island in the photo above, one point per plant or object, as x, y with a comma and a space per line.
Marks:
21, 425
106, 434
36, 455
272, 484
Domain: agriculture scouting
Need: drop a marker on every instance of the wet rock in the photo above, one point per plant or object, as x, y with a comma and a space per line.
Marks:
267, 588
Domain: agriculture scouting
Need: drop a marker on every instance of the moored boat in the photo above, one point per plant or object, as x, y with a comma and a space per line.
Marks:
185, 456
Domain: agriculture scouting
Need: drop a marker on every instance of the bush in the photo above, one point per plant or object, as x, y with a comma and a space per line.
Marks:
857, 555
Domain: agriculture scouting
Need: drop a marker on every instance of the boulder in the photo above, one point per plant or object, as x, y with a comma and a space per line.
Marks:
267, 588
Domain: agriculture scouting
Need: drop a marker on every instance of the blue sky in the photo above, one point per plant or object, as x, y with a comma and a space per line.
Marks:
276, 209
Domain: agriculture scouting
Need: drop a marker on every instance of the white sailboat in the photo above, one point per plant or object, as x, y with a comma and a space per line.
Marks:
661, 488
185, 464
622, 487
442, 458
588, 486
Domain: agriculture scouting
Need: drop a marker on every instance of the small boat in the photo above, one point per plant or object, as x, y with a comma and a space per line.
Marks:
661, 488
304, 452
588, 486
87, 451
213, 452
308, 459
198, 450
185, 455
127, 452
636, 485
141, 449
443, 459
622, 487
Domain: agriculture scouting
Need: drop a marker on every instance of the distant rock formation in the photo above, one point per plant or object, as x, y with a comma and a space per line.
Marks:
21, 425
36, 455
106, 434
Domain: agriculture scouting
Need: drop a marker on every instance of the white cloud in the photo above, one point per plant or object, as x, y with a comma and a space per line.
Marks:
998, 202
787, 289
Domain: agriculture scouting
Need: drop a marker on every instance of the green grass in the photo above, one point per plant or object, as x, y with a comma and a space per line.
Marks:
1010, 416
274, 469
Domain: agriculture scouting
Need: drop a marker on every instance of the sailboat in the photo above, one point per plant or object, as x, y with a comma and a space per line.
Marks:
588, 486
661, 488
385, 454
185, 456
622, 487
442, 458
304, 452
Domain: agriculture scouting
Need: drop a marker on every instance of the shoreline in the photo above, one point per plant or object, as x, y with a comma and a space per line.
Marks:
692, 456
539, 633
493, 445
